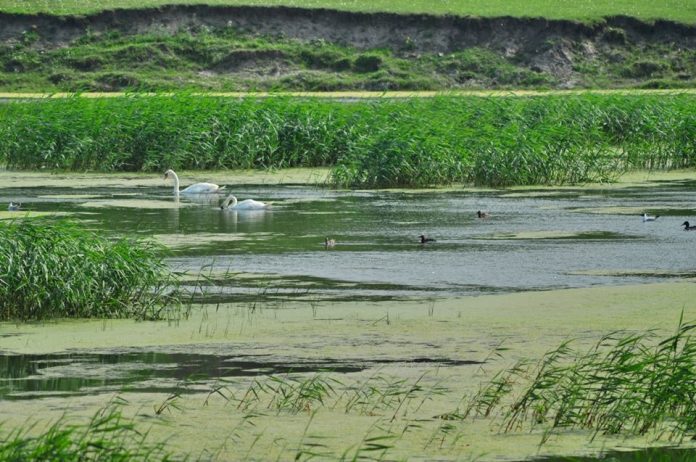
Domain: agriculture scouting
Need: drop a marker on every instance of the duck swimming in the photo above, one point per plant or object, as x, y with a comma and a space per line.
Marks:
14, 206
424, 239
481, 214
687, 227
647, 217
329, 242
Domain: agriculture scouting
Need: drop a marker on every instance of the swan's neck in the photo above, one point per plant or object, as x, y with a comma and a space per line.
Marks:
176, 183
230, 202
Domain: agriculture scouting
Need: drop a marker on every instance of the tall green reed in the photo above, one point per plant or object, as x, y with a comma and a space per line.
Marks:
55, 269
108, 436
627, 383
373, 143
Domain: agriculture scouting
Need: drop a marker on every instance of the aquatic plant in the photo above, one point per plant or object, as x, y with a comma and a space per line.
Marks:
376, 143
108, 436
56, 269
627, 383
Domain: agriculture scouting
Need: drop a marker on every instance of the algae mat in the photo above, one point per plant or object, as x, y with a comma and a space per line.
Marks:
431, 354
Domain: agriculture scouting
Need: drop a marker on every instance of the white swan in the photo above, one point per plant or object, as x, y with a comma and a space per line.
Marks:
248, 204
14, 206
197, 188
647, 217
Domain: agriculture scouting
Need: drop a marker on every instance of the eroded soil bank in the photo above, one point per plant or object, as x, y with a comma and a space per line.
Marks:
325, 50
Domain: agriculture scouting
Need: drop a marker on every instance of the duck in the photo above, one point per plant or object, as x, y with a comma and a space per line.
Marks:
231, 203
424, 239
687, 227
196, 188
647, 217
481, 214
329, 242
14, 206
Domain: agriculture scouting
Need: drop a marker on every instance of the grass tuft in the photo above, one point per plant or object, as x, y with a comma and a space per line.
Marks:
51, 270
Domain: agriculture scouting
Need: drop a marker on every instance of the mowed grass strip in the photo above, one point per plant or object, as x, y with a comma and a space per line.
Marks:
583, 10
342, 95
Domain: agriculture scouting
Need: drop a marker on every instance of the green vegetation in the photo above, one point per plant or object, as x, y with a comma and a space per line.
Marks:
626, 383
50, 270
678, 10
226, 60
378, 143
107, 437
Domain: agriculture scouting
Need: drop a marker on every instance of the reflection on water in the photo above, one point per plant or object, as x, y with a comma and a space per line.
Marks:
535, 239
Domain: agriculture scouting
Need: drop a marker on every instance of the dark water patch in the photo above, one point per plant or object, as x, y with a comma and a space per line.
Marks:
31, 376
70, 374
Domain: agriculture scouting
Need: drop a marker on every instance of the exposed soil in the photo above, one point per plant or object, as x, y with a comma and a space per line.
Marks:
557, 48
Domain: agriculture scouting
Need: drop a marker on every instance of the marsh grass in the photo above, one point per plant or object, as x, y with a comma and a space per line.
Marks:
108, 436
57, 270
636, 384
373, 144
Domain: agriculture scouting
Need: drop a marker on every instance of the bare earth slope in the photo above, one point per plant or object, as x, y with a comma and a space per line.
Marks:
618, 51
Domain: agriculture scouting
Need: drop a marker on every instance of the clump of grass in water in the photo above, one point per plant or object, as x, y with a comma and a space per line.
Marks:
634, 384
107, 437
50, 270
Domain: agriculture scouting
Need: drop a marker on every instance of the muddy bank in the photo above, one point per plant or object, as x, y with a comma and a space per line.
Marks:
362, 30
617, 51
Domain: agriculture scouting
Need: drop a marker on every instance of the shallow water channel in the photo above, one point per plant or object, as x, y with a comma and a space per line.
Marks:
535, 239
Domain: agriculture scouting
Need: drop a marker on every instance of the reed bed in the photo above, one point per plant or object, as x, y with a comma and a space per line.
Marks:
626, 384
378, 143
51, 270
108, 436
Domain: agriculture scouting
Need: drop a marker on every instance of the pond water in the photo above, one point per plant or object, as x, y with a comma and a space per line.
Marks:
534, 239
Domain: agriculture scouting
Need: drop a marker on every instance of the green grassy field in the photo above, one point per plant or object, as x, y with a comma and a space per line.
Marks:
677, 10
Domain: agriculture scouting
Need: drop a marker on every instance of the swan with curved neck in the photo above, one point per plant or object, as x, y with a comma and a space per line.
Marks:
231, 203
197, 188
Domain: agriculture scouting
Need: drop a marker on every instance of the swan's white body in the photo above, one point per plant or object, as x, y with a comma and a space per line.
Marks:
647, 217
13, 206
231, 203
197, 188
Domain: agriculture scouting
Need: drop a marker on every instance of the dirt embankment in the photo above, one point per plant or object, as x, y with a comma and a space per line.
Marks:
552, 47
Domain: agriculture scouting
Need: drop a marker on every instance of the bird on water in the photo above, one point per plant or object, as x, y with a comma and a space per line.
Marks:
424, 239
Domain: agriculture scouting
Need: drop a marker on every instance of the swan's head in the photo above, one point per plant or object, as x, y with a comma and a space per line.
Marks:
167, 173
